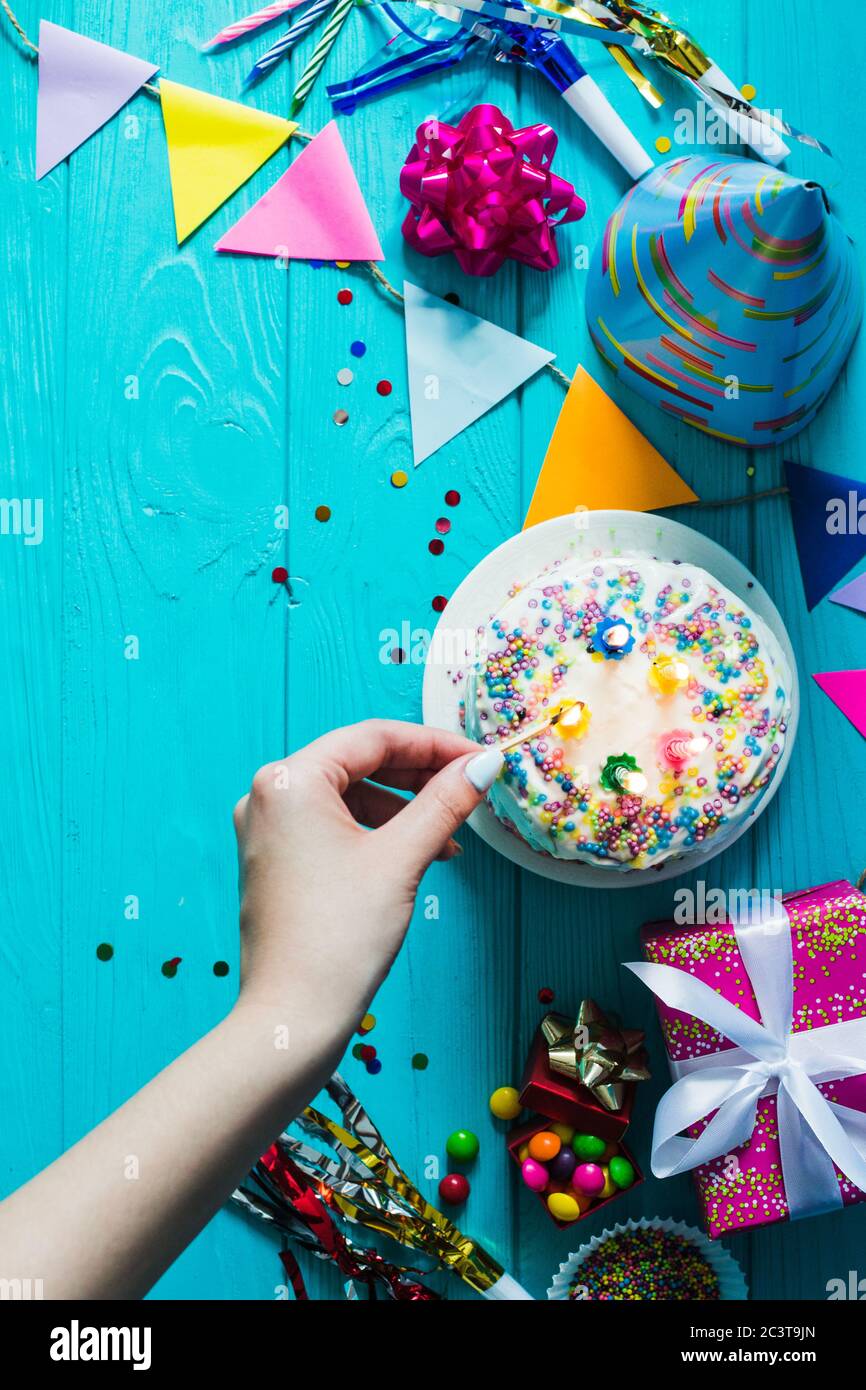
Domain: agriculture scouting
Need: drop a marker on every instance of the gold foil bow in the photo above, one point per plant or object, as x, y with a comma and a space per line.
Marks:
591, 1050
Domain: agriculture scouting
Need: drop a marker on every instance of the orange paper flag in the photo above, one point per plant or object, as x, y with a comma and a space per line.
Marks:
597, 459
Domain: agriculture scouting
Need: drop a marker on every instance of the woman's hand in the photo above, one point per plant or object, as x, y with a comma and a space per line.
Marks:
331, 856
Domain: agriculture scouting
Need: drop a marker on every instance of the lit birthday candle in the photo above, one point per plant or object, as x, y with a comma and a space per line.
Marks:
571, 717
668, 674
614, 638
622, 774
680, 746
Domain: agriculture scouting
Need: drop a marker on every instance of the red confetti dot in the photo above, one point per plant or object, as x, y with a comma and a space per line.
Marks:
545, 996
436, 547
368, 1052
279, 575
344, 296
443, 526
439, 604
452, 497
384, 388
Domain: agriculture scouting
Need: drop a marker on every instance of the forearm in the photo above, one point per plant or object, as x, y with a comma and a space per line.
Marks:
109, 1216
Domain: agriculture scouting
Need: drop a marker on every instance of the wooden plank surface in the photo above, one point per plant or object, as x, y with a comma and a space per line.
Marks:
160, 504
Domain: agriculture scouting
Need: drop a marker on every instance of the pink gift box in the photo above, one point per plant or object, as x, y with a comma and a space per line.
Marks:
828, 935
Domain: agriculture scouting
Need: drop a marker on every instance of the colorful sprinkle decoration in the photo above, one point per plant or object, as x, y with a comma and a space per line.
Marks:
645, 1264
358, 348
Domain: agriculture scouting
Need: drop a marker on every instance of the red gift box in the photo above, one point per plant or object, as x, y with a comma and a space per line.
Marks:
523, 1133
564, 1099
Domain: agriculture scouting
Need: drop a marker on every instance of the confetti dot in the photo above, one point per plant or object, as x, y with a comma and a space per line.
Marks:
104, 951
452, 498
384, 388
357, 1051
169, 967
399, 478
316, 265
344, 296
368, 1051
358, 348
279, 575
439, 604
398, 656
374, 1066
367, 1024
545, 996
345, 376
663, 144
443, 525
323, 513
452, 297
748, 91
342, 265
420, 1061
341, 417
220, 968
750, 471
436, 547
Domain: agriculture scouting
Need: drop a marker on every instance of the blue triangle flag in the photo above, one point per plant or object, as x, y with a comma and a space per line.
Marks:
459, 367
829, 515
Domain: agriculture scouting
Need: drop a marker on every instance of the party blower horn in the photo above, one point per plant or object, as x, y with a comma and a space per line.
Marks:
362, 1181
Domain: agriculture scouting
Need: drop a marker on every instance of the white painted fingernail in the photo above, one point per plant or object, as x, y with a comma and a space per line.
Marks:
483, 770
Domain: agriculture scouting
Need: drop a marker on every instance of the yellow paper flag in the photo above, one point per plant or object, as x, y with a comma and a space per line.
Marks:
597, 459
214, 146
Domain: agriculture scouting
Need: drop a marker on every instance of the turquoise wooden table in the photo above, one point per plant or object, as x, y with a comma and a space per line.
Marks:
166, 404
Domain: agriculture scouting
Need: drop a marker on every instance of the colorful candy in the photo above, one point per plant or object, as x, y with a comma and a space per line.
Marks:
562, 1167
621, 1171
534, 1174
454, 1189
562, 1207
545, 1146
588, 1178
505, 1103
588, 1147
645, 1263
462, 1146
565, 1132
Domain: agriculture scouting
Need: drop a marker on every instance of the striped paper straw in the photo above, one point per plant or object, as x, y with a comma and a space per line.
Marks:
292, 36
319, 55
252, 21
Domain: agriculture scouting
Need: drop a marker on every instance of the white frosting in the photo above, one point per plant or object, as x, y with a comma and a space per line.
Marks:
728, 717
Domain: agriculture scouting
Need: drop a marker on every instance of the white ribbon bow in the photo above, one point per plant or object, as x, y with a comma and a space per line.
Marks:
816, 1137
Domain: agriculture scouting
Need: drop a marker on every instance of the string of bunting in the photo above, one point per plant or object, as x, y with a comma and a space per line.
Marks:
200, 185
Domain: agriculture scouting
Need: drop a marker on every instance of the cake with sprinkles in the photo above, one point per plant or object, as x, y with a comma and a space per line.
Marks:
641, 708
644, 1263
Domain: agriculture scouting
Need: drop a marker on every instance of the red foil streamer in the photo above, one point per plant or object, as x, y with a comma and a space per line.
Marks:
485, 192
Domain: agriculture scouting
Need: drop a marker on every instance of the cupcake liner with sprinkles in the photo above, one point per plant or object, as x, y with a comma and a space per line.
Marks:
649, 1260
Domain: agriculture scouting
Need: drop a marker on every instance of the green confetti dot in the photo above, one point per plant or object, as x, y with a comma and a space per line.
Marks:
420, 1061
104, 951
221, 967
750, 471
356, 1051
169, 969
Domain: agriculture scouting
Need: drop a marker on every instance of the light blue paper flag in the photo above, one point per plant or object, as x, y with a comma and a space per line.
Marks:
852, 595
459, 366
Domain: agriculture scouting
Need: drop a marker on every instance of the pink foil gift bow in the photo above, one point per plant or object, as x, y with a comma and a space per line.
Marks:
486, 192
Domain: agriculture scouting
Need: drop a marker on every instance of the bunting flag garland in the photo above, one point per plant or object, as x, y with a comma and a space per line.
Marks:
847, 690
852, 595
315, 211
460, 366
82, 84
214, 146
829, 515
597, 458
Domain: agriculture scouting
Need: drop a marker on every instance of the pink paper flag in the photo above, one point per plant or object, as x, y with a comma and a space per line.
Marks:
82, 84
847, 690
852, 595
315, 211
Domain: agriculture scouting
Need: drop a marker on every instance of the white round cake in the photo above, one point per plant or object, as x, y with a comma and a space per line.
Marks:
670, 700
